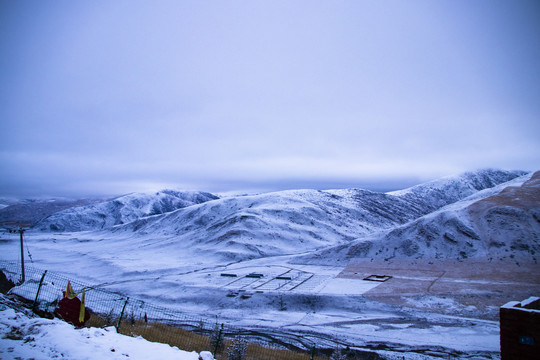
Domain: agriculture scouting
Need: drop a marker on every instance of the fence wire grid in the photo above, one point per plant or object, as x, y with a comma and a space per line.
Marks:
130, 316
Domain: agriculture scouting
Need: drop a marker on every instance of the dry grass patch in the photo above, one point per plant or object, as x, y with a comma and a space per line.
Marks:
163, 333
192, 341
258, 352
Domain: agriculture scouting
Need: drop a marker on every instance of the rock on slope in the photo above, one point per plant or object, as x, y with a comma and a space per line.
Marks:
499, 223
121, 210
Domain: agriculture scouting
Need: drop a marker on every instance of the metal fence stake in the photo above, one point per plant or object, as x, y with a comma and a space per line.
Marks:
218, 340
121, 315
23, 278
38, 290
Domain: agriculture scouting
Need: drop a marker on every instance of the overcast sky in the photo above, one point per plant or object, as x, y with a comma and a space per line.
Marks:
109, 97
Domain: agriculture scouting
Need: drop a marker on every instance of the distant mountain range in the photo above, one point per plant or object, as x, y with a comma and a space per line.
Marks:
488, 213
28, 212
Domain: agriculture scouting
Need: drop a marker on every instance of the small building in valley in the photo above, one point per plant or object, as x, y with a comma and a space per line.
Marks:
520, 330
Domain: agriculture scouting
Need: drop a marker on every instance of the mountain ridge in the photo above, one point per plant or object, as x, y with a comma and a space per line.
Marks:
120, 210
285, 222
498, 224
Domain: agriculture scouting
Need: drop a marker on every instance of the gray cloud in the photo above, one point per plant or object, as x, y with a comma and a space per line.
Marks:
108, 97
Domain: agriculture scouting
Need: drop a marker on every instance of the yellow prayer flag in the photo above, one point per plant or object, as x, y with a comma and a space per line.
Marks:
81, 313
70, 294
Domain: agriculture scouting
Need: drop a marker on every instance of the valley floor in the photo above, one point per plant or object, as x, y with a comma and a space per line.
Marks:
472, 287
431, 308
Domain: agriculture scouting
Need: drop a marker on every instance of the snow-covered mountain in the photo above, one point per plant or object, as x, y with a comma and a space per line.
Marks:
121, 210
276, 223
28, 212
499, 223
428, 220
195, 253
435, 194
288, 222
285, 222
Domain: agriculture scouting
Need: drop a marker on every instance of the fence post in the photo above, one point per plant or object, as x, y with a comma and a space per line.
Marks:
121, 315
218, 340
23, 278
38, 290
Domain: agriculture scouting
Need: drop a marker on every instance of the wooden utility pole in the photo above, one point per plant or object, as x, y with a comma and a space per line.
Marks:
21, 231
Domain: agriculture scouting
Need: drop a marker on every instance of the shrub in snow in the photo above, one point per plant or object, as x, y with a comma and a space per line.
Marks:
338, 354
237, 350
110, 318
216, 339
282, 305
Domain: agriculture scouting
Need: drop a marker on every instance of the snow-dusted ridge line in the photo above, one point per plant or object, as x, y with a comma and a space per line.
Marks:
478, 226
269, 224
295, 221
121, 210
444, 191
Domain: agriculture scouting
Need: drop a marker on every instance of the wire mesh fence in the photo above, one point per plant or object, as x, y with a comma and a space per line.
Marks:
42, 290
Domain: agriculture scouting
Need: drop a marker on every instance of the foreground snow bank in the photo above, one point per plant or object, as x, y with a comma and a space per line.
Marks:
25, 336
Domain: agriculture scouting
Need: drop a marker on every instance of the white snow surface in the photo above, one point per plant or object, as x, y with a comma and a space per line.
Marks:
121, 210
493, 223
177, 258
23, 336
285, 222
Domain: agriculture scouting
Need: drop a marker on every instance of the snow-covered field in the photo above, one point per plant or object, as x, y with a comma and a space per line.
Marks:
320, 307
25, 336
300, 259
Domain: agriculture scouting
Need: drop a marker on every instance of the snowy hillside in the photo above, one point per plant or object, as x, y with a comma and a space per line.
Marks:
296, 221
274, 224
501, 223
279, 223
121, 210
30, 211
285, 222
23, 335
435, 194
295, 262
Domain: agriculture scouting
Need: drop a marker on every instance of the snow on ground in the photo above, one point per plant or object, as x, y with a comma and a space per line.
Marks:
322, 308
348, 286
177, 260
23, 336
